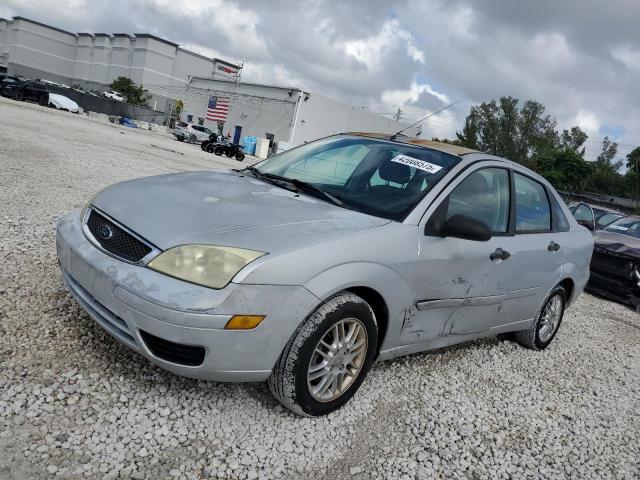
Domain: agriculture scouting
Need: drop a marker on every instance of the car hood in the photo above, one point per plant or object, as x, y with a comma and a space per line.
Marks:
61, 101
225, 209
617, 243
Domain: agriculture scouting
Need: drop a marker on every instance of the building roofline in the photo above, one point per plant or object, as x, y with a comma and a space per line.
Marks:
43, 25
154, 37
279, 87
84, 34
121, 34
196, 54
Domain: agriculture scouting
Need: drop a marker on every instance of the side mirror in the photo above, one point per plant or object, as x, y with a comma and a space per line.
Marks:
467, 228
587, 224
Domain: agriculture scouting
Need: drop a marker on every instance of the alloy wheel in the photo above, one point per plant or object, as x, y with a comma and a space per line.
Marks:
550, 318
337, 360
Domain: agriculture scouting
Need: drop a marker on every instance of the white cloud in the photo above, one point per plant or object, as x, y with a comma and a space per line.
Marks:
411, 95
370, 51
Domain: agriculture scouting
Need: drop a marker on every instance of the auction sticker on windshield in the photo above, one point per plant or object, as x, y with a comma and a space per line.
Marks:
416, 163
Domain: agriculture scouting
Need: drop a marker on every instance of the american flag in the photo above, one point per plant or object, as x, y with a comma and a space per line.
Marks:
218, 108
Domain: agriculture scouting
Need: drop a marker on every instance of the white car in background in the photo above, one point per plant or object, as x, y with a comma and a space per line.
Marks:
63, 103
113, 95
191, 133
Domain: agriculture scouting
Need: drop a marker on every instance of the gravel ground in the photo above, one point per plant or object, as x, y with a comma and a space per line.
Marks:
76, 404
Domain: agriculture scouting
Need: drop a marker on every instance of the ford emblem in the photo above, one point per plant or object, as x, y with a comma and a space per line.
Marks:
104, 232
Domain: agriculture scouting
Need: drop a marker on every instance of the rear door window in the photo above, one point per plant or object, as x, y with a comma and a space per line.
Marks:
533, 213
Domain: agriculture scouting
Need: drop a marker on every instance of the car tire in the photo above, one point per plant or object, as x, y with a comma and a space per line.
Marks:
192, 138
291, 382
547, 322
180, 138
43, 100
19, 96
204, 144
240, 156
219, 150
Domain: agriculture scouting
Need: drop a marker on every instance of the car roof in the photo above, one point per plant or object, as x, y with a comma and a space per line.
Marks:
600, 207
440, 146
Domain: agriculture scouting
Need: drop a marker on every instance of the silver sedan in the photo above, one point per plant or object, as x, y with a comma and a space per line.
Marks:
307, 268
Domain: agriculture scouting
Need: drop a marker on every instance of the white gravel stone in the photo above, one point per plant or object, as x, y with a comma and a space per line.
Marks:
74, 399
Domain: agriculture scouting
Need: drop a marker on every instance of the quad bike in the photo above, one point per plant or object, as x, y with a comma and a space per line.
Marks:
228, 149
213, 139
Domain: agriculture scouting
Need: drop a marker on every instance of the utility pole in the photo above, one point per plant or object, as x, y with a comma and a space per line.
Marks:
398, 114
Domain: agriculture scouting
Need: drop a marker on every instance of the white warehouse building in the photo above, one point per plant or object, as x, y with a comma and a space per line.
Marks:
287, 116
93, 60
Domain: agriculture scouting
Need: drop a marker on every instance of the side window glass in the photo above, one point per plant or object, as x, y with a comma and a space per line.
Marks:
483, 195
532, 205
560, 222
583, 213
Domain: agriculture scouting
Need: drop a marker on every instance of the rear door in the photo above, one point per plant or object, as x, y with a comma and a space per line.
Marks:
538, 250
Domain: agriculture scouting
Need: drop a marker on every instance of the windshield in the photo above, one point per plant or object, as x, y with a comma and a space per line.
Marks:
377, 177
625, 226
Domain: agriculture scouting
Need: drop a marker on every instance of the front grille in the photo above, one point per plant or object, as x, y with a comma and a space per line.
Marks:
115, 240
173, 352
611, 263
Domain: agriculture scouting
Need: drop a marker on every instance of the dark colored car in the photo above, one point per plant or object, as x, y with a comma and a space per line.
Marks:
615, 264
594, 217
25, 90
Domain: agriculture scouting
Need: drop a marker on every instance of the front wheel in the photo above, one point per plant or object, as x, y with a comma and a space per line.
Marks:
240, 156
19, 96
219, 150
547, 322
327, 358
204, 145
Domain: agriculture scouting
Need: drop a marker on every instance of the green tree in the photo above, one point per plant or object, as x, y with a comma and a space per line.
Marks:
574, 139
502, 128
606, 177
134, 94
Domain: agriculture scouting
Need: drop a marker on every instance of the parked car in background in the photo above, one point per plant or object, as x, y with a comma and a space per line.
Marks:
191, 132
594, 217
305, 269
8, 84
113, 95
63, 103
47, 82
25, 90
615, 265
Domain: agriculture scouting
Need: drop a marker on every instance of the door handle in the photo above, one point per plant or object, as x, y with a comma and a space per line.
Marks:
553, 247
499, 254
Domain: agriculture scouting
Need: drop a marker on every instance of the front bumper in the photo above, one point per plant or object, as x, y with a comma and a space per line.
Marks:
618, 288
126, 299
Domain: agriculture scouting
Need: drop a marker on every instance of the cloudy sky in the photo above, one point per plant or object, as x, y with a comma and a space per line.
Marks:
580, 58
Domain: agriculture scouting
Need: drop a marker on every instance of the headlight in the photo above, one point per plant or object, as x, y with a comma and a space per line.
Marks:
205, 265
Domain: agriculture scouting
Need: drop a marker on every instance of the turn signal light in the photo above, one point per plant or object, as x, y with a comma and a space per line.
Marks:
244, 322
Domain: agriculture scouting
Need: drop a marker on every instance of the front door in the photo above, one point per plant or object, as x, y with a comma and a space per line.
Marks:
460, 285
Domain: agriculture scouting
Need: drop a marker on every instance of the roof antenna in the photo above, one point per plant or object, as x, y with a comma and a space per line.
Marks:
393, 137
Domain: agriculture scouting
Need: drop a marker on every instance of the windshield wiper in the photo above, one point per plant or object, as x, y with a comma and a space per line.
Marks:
298, 185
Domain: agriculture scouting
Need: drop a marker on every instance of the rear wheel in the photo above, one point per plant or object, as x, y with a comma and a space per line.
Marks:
327, 358
204, 144
240, 156
180, 138
19, 96
544, 328
219, 150
192, 138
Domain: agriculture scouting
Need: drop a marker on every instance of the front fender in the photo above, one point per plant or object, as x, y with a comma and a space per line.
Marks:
393, 288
